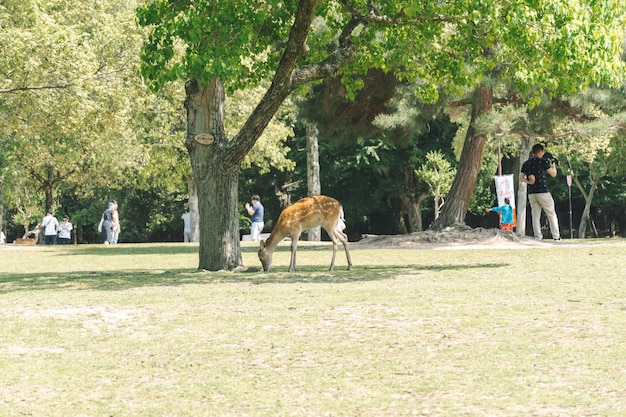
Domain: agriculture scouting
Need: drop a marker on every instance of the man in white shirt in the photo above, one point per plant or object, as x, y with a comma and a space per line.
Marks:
50, 225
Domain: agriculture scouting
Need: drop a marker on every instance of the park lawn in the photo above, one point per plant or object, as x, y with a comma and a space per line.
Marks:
135, 330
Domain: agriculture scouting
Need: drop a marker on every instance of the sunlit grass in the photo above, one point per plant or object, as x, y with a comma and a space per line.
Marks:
136, 330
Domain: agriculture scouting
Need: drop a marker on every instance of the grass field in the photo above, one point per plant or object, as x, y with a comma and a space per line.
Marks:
135, 330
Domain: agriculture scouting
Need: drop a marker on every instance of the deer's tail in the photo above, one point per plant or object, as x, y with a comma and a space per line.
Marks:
340, 226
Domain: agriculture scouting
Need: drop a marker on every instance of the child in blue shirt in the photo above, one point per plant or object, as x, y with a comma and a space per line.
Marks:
506, 215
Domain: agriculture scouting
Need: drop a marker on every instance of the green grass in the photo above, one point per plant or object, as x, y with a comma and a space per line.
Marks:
135, 330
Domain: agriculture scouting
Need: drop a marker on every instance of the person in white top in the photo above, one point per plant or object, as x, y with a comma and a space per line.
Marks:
115, 221
65, 231
50, 225
256, 212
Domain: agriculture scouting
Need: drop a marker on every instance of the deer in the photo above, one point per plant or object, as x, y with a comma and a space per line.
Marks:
302, 215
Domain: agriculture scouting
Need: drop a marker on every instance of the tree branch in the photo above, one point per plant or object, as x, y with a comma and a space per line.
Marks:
560, 135
515, 100
374, 15
345, 52
36, 175
537, 135
34, 87
580, 187
282, 84
98, 74
461, 103
572, 111
62, 177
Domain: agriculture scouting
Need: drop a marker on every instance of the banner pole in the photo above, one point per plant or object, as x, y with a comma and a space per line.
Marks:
569, 188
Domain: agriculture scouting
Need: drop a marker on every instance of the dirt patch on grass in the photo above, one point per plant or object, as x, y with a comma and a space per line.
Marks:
464, 237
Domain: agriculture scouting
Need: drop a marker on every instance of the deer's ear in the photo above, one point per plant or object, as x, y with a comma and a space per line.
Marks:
262, 243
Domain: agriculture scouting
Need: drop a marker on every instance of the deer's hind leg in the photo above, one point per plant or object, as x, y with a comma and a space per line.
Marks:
344, 240
333, 238
336, 235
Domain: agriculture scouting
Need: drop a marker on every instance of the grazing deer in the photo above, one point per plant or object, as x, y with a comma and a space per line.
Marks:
302, 215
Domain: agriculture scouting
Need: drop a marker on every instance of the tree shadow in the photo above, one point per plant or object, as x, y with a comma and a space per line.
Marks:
117, 280
134, 249
161, 248
320, 274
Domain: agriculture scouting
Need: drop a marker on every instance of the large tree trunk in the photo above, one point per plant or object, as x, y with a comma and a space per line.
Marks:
313, 173
215, 174
458, 200
525, 148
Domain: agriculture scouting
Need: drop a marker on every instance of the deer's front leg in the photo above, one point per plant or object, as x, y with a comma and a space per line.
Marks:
294, 247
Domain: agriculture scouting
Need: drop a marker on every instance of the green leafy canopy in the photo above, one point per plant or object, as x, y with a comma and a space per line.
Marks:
229, 40
547, 47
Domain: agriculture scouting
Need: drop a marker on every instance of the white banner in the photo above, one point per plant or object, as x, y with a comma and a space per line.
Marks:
505, 189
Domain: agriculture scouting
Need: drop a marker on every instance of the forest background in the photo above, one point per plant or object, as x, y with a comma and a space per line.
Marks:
80, 126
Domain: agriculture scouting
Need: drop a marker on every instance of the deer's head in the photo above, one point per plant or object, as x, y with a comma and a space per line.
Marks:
265, 256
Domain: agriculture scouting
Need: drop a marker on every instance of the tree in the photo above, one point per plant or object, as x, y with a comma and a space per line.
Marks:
438, 173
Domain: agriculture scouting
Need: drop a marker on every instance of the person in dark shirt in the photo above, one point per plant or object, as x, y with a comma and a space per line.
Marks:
256, 212
533, 173
107, 223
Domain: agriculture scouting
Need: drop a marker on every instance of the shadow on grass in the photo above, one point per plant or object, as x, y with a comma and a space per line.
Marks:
311, 274
130, 249
159, 249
